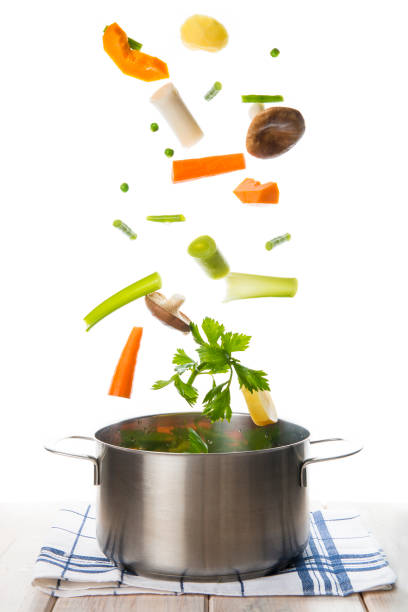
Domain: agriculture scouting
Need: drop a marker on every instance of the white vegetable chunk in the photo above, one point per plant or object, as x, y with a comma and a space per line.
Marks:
168, 101
255, 108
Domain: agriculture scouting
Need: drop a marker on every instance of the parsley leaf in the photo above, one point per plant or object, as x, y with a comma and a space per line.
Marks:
186, 390
183, 362
212, 329
159, 384
197, 444
235, 342
253, 380
215, 357
196, 334
219, 407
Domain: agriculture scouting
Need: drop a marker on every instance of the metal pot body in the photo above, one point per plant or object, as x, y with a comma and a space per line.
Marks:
239, 511
203, 515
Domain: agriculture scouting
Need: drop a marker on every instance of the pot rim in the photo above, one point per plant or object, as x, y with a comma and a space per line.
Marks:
195, 413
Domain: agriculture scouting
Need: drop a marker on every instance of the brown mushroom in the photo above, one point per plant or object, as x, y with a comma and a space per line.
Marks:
167, 310
274, 131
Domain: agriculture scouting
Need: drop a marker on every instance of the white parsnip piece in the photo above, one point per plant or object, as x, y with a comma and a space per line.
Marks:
168, 101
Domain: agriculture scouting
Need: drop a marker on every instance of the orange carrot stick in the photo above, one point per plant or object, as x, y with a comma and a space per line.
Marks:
252, 192
123, 377
187, 169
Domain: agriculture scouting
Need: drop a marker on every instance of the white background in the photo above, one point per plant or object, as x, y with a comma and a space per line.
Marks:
74, 128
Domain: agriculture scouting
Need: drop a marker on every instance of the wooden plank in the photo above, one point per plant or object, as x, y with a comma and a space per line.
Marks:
388, 523
36, 601
21, 535
135, 603
353, 603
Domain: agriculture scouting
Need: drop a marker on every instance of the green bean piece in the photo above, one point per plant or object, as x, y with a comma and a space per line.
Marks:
262, 98
125, 229
133, 44
166, 218
215, 89
275, 52
169, 152
154, 127
124, 187
205, 251
271, 244
142, 287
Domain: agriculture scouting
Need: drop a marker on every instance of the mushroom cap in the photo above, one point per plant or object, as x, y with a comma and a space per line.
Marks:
274, 131
167, 311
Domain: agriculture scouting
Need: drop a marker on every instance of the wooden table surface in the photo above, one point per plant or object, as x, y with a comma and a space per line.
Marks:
21, 534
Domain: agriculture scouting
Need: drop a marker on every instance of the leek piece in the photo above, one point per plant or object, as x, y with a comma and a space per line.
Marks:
262, 98
242, 286
205, 251
166, 218
142, 287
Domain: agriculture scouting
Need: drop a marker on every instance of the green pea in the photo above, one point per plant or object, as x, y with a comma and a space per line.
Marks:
169, 152
154, 127
275, 52
124, 187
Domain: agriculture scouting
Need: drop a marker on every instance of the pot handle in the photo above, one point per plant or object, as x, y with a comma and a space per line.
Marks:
51, 448
303, 477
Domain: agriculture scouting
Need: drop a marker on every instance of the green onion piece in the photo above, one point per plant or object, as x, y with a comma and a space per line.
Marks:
197, 444
124, 187
169, 152
242, 286
262, 98
271, 244
128, 294
133, 44
166, 218
154, 127
205, 251
275, 52
125, 229
105, 28
216, 88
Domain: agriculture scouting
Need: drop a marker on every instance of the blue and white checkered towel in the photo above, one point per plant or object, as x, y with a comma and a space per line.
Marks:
342, 557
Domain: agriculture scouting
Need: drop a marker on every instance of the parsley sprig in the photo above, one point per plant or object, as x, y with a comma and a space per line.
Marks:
215, 357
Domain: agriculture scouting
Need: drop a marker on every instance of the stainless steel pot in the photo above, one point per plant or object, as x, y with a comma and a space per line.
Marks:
203, 516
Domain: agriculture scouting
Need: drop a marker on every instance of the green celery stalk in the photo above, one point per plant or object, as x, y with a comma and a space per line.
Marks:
142, 287
242, 286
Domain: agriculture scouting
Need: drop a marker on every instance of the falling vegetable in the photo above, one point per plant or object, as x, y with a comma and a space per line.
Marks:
255, 109
168, 101
252, 192
154, 127
203, 32
215, 89
125, 229
129, 60
260, 406
242, 286
215, 354
166, 218
275, 52
261, 99
274, 131
206, 253
169, 152
168, 310
142, 287
187, 169
124, 187
122, 380
271, 244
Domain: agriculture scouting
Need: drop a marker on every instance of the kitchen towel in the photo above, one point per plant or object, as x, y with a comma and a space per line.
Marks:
342, 557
